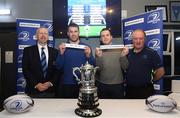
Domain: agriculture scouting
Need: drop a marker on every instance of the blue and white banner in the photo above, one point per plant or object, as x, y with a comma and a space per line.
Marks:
152, 23
26, 36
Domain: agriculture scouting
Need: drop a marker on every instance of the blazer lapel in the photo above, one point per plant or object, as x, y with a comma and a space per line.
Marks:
50, 56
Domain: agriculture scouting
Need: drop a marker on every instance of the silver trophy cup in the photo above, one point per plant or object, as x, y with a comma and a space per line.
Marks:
88, 98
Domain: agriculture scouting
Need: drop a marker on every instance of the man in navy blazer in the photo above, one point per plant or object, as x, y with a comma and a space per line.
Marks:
39, 85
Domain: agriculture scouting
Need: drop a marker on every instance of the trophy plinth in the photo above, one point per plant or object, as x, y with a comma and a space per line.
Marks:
88, 113
88, 98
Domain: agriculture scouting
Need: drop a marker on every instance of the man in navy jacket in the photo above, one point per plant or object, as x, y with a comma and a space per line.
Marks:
39, 85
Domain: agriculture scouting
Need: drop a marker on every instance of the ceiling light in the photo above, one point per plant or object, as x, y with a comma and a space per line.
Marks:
5, 11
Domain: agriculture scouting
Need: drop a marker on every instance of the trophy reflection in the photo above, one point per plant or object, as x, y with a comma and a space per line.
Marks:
88, 98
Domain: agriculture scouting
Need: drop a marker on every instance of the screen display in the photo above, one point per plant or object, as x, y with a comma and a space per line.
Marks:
90, 15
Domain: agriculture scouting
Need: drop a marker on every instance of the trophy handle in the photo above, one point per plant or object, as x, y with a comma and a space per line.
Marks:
75, 69
95, 69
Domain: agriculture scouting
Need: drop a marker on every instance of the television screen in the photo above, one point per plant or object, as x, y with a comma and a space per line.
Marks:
90, 15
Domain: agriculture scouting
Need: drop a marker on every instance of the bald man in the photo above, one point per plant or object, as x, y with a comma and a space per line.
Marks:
40, 83
145, 66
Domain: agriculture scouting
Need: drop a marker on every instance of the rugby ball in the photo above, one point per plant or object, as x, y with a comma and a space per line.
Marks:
176, 97
18, 103
161, 103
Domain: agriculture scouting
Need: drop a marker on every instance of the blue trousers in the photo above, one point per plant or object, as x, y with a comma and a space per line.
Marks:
110, 91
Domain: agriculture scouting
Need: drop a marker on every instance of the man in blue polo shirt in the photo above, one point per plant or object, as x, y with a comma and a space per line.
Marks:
145, 65
69, 58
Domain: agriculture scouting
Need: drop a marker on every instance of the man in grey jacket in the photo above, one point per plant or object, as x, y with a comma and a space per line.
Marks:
111, 63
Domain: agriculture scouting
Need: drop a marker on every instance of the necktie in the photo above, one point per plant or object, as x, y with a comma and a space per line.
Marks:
43, 62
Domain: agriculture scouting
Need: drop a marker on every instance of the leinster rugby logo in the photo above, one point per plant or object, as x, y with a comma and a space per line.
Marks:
20, 58
127, 35
48, 26
154, 44
16, 105
50, 45
21, 82
24, 36
154, 17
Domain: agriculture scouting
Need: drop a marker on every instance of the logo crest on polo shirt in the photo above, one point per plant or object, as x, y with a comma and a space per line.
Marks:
145, 56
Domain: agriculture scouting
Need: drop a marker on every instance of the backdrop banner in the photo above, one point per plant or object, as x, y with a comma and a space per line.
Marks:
152, 23
26, 30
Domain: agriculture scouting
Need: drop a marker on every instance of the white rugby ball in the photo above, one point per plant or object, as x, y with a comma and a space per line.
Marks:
176, 97
161, 103
18, 103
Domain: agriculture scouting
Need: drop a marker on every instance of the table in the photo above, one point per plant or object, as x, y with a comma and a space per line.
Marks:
111, 108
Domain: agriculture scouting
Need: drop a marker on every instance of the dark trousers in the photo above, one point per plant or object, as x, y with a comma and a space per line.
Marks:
68, 91
1, 104
139, 92
43, 95
110, 91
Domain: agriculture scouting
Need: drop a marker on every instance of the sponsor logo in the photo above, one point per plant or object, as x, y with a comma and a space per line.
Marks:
152, 32
154, 17
50, 38
34, 37
127, 34
154, 44
49, 26
25, 24
19, 70
156, 86
21, 47
24, 36
20, 58
133, 22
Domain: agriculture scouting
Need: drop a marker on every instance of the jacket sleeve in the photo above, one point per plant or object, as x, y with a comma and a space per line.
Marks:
59, 61
26, 67
91, 59
124, 62
56, 73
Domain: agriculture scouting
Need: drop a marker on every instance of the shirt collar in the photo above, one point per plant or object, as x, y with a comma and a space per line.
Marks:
40, 46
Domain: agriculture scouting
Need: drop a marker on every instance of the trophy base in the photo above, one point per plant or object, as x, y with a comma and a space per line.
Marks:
88, 112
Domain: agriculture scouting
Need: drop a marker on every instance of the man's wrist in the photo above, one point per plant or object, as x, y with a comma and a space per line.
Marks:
35, 86
50, 84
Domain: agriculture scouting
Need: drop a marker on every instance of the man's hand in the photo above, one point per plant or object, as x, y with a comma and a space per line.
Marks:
40, 87
48, 84
125, 51
98, 52
62, 48
87, 51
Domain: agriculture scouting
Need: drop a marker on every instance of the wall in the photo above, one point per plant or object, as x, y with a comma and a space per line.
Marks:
134, 7
8, 70
33, 9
